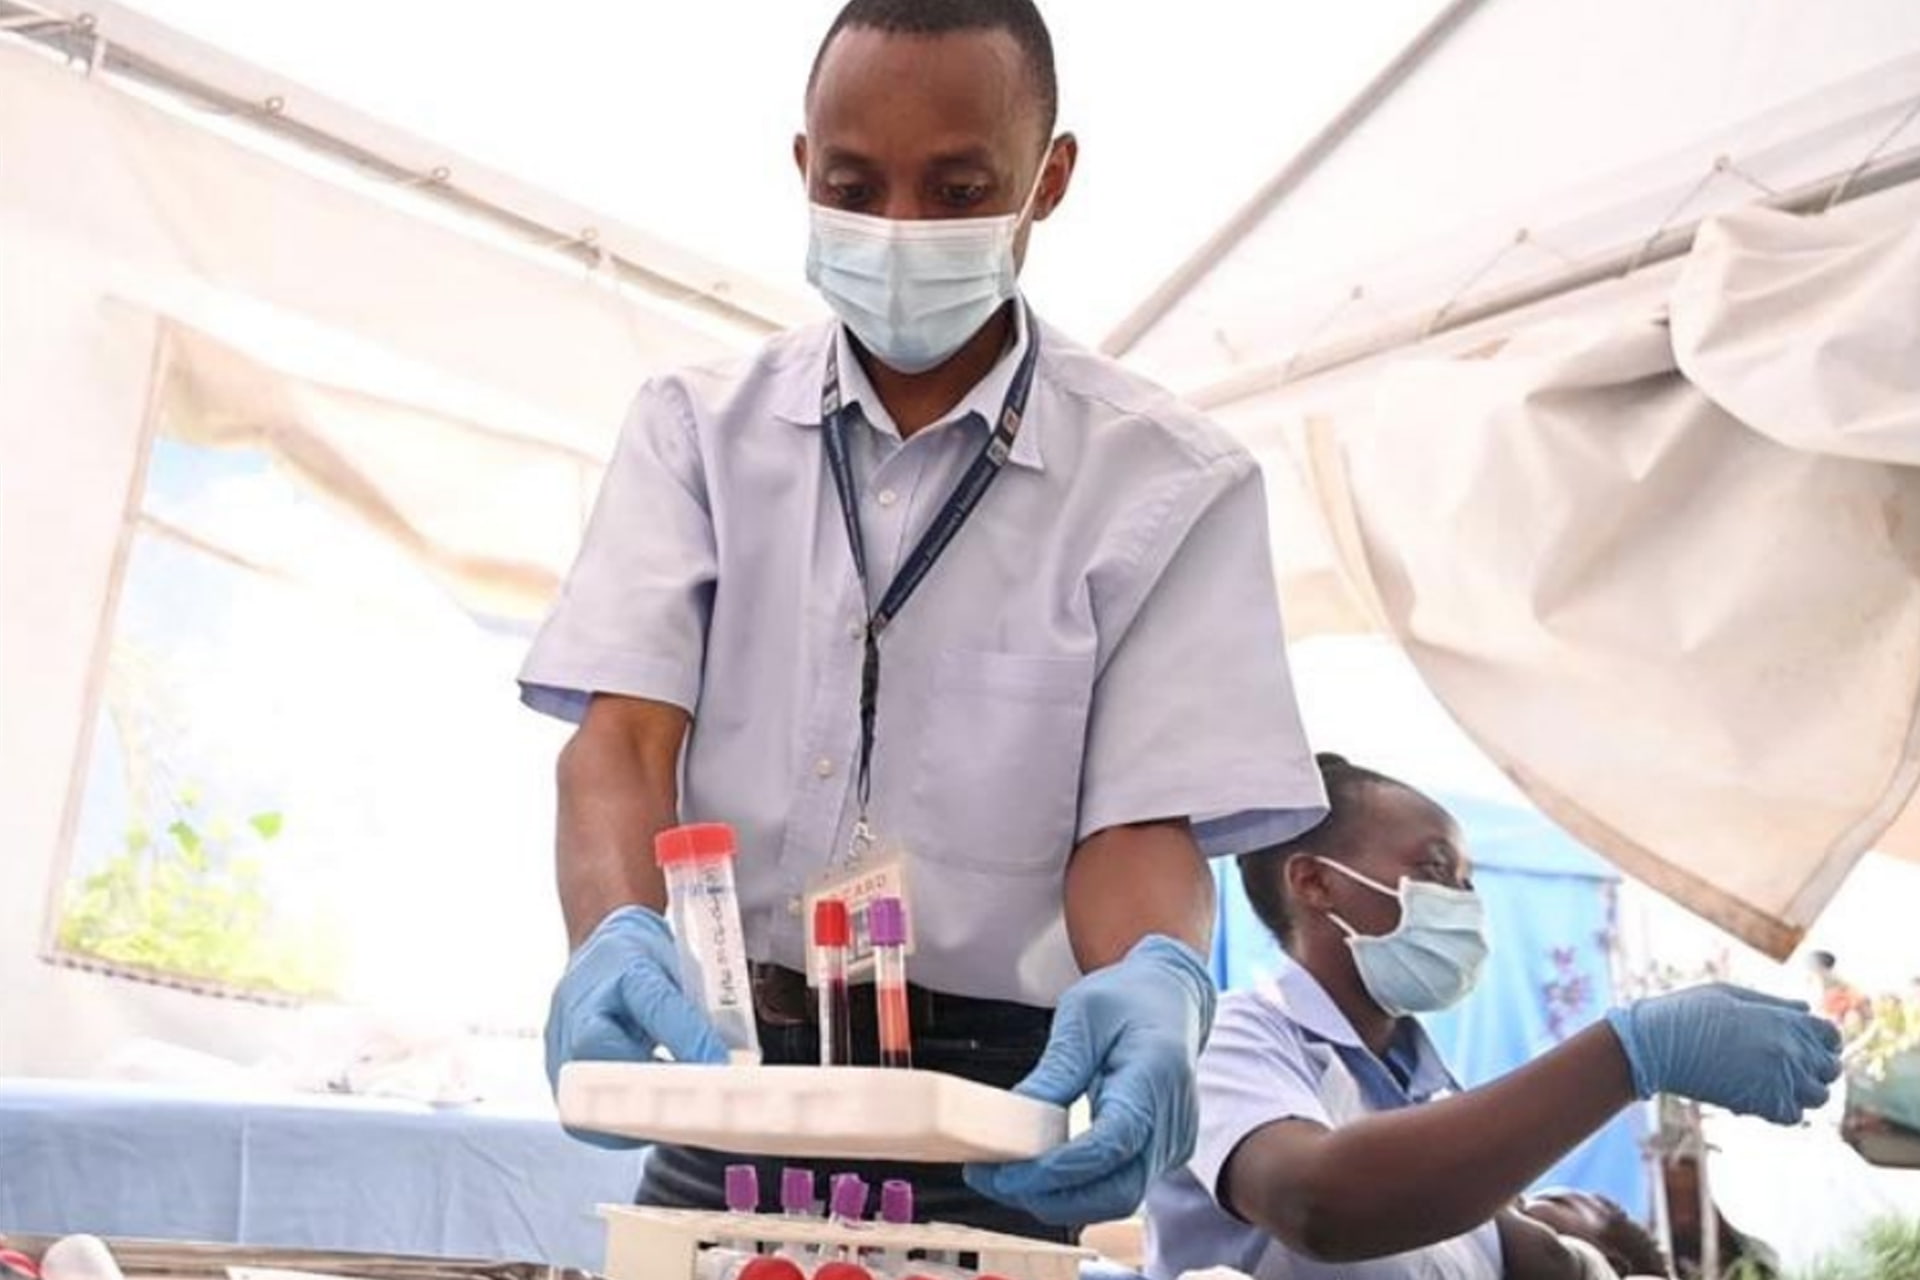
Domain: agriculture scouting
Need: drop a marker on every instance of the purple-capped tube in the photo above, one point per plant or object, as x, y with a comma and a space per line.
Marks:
847, 1206
743, 1189
887, 928
849, 1198
743, 1197
798, 1196
896, 1202
896, 1210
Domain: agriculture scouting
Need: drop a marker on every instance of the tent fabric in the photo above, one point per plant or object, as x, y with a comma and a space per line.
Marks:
1694, 641
1588, 125
159, 276
501, 539
1550, 906
1805, 329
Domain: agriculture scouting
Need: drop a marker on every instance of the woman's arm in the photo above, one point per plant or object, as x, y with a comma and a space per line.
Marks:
1401, 1180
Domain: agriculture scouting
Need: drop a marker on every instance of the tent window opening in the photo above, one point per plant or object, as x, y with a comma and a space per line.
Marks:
309, 776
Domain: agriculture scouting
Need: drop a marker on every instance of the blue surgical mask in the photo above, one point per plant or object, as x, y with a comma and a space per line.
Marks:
913, 292
1432, 960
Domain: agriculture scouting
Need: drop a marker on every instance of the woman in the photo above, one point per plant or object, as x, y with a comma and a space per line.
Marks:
1333, 1141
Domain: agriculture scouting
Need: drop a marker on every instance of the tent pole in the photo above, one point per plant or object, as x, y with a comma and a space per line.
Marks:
1275, 191
1893, 171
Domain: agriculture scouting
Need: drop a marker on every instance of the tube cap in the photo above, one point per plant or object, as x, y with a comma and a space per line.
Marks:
796, 1190
849, 1197
743, 1189
887, 922
830, 928
697, 842
838, 1270
771, 1269
896, 1202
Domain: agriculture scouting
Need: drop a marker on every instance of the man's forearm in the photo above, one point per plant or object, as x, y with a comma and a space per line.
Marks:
1127, 882
618, 785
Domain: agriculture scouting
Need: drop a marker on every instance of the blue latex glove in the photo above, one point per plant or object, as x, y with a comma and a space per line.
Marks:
1126, 1037
621, 998
1750, 1053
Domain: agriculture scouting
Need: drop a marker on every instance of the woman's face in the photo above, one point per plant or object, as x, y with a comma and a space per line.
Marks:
1401, 835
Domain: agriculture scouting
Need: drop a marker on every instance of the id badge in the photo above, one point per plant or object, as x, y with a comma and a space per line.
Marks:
881, 874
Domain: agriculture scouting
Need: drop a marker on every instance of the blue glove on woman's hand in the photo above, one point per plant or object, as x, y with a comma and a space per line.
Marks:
1126, 1037
1750, 1053
621, 998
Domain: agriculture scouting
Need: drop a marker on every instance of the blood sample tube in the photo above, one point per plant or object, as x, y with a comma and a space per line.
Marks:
887, 925
831, 934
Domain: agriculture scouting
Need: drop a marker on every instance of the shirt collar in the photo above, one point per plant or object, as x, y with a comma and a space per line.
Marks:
1307, 1003
801, 402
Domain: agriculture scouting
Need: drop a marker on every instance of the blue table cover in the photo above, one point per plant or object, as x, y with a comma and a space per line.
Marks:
350, 1174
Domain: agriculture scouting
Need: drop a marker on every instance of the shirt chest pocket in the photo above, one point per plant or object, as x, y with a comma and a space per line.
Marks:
998, 783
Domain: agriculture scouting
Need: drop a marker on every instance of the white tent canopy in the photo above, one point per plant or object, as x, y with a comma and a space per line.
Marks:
266, 238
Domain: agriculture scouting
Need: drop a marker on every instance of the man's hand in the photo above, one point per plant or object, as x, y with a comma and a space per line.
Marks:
620, 999
1126, 1037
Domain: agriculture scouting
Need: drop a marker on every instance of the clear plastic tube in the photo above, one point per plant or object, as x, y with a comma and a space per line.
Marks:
887, 926
704, 910
743, 1200
896, 1210
799, 1199
832, 932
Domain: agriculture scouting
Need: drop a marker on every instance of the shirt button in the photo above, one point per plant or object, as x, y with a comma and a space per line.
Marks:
795, 905
823, 768
888, 497
856, 630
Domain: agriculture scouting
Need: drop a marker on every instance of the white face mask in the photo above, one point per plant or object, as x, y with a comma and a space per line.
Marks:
1433, 959
914, 292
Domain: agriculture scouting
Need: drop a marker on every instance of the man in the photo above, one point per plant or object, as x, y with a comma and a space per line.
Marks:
1053, 713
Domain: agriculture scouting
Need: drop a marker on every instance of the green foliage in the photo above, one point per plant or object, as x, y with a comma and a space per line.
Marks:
1887, 1250
191, 901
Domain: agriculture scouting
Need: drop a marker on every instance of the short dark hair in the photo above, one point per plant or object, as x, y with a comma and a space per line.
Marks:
1018, 18
1263, 873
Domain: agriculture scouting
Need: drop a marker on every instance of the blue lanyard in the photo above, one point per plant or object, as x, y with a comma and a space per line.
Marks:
960, 504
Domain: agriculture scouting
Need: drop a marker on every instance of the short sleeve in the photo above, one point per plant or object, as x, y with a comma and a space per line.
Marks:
1253, 1072
632, 616
1194, 713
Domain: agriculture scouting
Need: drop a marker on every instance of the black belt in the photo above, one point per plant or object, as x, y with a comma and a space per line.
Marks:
781, 998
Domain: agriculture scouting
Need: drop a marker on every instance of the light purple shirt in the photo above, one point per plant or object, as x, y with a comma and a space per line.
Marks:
1101, 643
1284, 1051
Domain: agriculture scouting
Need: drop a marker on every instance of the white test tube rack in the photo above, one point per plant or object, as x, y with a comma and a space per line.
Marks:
661, 1244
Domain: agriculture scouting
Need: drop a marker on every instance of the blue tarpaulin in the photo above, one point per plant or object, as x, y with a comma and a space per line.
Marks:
1550, 908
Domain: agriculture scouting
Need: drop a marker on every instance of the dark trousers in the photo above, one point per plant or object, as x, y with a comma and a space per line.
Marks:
994, 1042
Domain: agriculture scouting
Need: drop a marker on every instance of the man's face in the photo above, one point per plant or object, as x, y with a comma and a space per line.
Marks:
927, 127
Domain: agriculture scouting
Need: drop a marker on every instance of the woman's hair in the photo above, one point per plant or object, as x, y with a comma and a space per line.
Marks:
1263, 872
